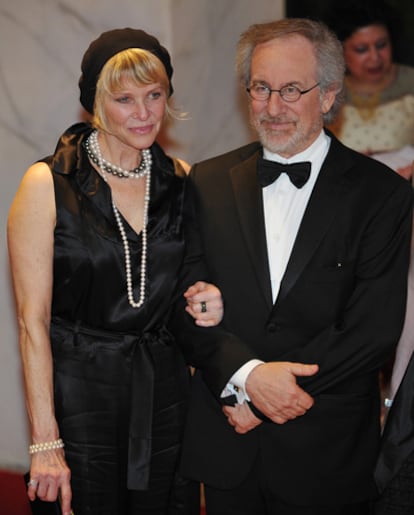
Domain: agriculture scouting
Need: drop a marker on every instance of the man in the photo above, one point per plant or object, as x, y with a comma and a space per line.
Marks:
312, 273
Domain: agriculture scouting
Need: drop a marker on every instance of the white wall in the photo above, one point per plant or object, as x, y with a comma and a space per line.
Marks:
41, 46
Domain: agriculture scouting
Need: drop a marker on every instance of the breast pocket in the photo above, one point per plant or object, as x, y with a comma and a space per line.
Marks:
325, 290
336, 272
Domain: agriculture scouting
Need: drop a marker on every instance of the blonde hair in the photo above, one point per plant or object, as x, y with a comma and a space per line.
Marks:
135, 65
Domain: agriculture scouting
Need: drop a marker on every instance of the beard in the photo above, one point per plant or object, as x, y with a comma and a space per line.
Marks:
285, 142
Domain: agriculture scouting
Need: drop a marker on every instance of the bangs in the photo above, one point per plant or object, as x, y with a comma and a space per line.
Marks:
136, 66
132, 66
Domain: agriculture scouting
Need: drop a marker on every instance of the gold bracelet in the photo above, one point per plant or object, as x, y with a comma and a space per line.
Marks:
46, 446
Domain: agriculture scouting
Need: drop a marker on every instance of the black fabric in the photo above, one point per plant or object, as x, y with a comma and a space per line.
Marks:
253, 497
106, 46
398, 496
341, 305
39, 507
269, 171
119, 376
397, 441
93, 382
89, 281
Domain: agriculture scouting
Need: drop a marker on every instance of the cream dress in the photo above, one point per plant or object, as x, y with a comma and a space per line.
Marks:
379, 123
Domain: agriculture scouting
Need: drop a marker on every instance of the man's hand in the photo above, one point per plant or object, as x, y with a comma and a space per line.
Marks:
272, 388
241, 417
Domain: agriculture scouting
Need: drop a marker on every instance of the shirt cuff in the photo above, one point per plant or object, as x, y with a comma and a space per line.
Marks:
236, 385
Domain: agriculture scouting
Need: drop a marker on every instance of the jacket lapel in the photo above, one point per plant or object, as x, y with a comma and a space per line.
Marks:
320, 213
249, 204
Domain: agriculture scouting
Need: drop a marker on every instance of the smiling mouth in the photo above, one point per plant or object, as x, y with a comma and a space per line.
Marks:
376, 71
276, 125
141, 130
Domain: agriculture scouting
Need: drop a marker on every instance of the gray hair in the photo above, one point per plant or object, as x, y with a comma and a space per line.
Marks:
328, 52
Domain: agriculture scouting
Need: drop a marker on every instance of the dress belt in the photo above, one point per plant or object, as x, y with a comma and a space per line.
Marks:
141, 408
142, 390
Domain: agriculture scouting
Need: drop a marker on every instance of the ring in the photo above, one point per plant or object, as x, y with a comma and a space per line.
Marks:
33, 483
203, 306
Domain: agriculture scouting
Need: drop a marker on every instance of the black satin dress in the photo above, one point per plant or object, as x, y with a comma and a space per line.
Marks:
120, 381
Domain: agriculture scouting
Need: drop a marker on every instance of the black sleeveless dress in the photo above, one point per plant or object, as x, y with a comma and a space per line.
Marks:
120, 381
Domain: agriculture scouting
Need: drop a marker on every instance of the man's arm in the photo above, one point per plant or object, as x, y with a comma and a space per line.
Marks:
373, 316
217, 352
370, 323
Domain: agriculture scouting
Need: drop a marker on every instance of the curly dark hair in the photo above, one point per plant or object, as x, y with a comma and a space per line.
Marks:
348, 17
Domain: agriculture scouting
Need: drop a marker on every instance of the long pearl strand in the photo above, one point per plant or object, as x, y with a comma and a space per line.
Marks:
146, 156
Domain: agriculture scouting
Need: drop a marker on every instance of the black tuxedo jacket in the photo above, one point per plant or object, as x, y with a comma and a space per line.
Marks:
341, 305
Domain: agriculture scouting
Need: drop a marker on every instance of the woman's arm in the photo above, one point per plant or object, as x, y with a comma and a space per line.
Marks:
30, 241
204, 301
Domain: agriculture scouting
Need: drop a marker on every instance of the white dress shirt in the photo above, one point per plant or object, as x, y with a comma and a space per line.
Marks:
284, 206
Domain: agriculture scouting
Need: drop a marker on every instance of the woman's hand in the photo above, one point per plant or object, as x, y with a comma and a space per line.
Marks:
50, 479
204, 304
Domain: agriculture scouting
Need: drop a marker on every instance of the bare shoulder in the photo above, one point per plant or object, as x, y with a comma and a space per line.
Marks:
35, 195
38, 177
30, 236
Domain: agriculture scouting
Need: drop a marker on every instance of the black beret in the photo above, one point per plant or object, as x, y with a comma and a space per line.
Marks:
106, 46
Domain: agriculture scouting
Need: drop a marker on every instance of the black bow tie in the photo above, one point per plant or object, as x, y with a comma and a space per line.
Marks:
269, 171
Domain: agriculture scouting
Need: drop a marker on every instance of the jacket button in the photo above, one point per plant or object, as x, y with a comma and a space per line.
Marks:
272, 327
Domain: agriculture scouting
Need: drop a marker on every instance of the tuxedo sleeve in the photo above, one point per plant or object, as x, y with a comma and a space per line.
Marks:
216, 352
363, 337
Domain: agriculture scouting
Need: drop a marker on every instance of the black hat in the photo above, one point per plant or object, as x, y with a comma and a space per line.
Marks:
106, 46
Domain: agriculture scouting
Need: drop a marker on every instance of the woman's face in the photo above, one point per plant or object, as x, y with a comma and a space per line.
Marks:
134, 114
368, 54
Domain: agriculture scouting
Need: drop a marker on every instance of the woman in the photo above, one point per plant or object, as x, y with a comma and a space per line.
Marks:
394, 472
378, 113
96, 248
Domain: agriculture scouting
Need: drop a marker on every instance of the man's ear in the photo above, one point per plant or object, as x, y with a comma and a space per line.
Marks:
328, 99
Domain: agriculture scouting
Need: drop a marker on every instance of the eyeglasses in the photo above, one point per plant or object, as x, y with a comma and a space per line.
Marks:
288, 93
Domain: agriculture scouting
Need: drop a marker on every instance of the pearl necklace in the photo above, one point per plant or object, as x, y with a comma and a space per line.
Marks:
146, 157
93, 151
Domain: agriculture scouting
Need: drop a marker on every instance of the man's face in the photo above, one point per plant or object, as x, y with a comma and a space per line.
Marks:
287, 128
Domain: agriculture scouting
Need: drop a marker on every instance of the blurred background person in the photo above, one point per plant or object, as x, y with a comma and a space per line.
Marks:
394, 472
377, 117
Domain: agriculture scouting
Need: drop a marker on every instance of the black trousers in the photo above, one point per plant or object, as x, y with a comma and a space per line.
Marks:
252, 497
93, 403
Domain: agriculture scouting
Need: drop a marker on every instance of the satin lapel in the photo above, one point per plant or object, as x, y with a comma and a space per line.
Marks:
249, 202
330, 186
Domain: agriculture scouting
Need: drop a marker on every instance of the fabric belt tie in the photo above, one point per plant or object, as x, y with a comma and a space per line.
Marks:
141, 408
136, 348
140, 422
